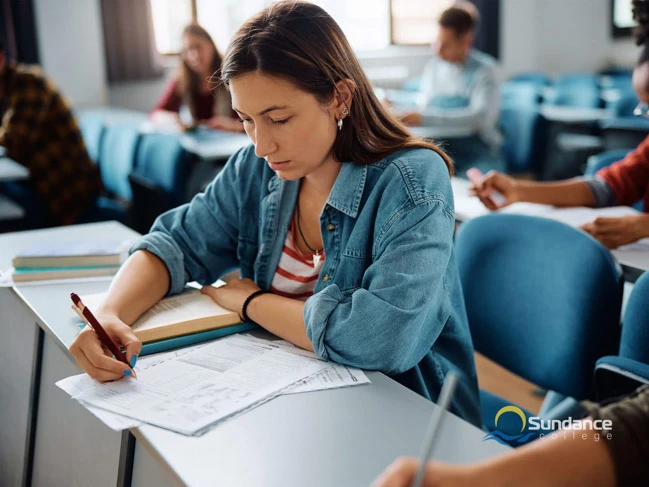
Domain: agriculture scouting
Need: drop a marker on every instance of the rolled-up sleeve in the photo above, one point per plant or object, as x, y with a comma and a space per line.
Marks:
198, 241
394, 318
629, 178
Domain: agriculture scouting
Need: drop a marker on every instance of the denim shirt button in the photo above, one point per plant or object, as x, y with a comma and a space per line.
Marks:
331, 227
325, 278
328, 207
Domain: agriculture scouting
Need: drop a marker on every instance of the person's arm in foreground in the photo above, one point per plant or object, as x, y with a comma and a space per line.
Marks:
618, 456
543, 463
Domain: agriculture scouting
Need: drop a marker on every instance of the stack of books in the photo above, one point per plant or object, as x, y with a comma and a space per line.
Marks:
44, 261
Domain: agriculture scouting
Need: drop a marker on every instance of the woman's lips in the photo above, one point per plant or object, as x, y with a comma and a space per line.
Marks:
277, 165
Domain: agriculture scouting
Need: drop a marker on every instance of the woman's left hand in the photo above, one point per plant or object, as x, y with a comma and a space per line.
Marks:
615, 232
233, 294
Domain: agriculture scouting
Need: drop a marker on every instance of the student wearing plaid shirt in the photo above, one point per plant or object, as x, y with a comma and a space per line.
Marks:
39, 131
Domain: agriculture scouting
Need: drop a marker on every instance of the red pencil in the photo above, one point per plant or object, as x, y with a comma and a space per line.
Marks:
103, 336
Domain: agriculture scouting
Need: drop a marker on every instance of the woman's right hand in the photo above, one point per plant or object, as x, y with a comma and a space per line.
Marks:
96, 359
496, 182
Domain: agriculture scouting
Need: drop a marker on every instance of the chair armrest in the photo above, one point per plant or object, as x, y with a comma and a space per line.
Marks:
617, 376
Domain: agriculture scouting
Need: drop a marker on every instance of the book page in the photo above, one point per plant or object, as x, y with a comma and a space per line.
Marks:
189, 305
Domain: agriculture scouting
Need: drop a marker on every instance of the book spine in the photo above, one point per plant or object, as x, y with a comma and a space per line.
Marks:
194, 338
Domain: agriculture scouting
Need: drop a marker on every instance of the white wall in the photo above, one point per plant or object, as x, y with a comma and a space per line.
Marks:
555, 36
70, 42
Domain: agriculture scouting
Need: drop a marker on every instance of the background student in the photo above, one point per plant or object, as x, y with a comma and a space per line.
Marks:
459, 87
623, 183
197, 86
564, 459
38, 130
340, 221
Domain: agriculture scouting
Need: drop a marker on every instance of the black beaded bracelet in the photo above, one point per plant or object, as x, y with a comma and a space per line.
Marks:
244, 308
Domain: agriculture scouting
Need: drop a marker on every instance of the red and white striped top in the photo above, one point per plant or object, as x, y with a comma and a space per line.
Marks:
297, 274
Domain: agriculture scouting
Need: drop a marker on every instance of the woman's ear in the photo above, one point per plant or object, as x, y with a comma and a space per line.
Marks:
343, 97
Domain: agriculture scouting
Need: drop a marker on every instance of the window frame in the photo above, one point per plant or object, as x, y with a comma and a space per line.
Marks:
618, 32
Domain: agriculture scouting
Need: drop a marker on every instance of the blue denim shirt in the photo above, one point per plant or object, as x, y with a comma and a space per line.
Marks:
388, 297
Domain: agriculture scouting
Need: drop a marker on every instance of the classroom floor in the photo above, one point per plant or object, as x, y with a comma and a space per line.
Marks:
500, 381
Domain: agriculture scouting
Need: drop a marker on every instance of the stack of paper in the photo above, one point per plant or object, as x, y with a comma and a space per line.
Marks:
191, 390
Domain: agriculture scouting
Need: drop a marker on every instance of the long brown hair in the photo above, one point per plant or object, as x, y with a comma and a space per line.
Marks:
301, 42
188, 80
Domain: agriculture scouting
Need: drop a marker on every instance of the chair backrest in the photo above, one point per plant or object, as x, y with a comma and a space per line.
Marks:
117, 158
624, 106
92, 129
159, 179
578, 96
525, 134
162, 159
540, 79
634, 342
577, 79
520, 94
543, 299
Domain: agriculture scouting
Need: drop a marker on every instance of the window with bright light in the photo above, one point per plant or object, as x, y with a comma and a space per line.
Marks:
415, 21
169, 19
368, 24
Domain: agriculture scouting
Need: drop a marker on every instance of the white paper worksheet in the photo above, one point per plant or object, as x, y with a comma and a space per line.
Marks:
191, 391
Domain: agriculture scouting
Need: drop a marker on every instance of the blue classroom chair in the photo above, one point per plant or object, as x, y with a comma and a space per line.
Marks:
159, 179
538, 79
575, 90
523, 127
618, 375
92, 130
117, 159
543, 300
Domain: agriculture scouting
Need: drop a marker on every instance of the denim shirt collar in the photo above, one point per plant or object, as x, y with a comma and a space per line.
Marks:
347, 191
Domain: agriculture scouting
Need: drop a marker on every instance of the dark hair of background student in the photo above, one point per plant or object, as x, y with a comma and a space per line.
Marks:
188, 80
459, 20
641, 32
300, 42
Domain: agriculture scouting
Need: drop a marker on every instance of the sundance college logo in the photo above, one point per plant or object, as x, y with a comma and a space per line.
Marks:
513, 417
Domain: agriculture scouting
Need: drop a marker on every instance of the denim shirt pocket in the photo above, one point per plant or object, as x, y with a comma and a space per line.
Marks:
355, 262
247, 250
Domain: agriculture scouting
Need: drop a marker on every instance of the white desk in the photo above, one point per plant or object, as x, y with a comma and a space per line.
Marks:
10, 170
32, 357
213, 144
339, 437
633, 261
442, 132
572, 115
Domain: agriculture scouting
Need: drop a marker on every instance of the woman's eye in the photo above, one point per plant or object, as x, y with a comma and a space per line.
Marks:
280, 122
242, 120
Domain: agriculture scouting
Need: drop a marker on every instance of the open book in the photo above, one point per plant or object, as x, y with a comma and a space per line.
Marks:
183, 314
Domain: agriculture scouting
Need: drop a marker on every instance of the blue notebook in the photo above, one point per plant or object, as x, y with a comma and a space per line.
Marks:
194, 338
